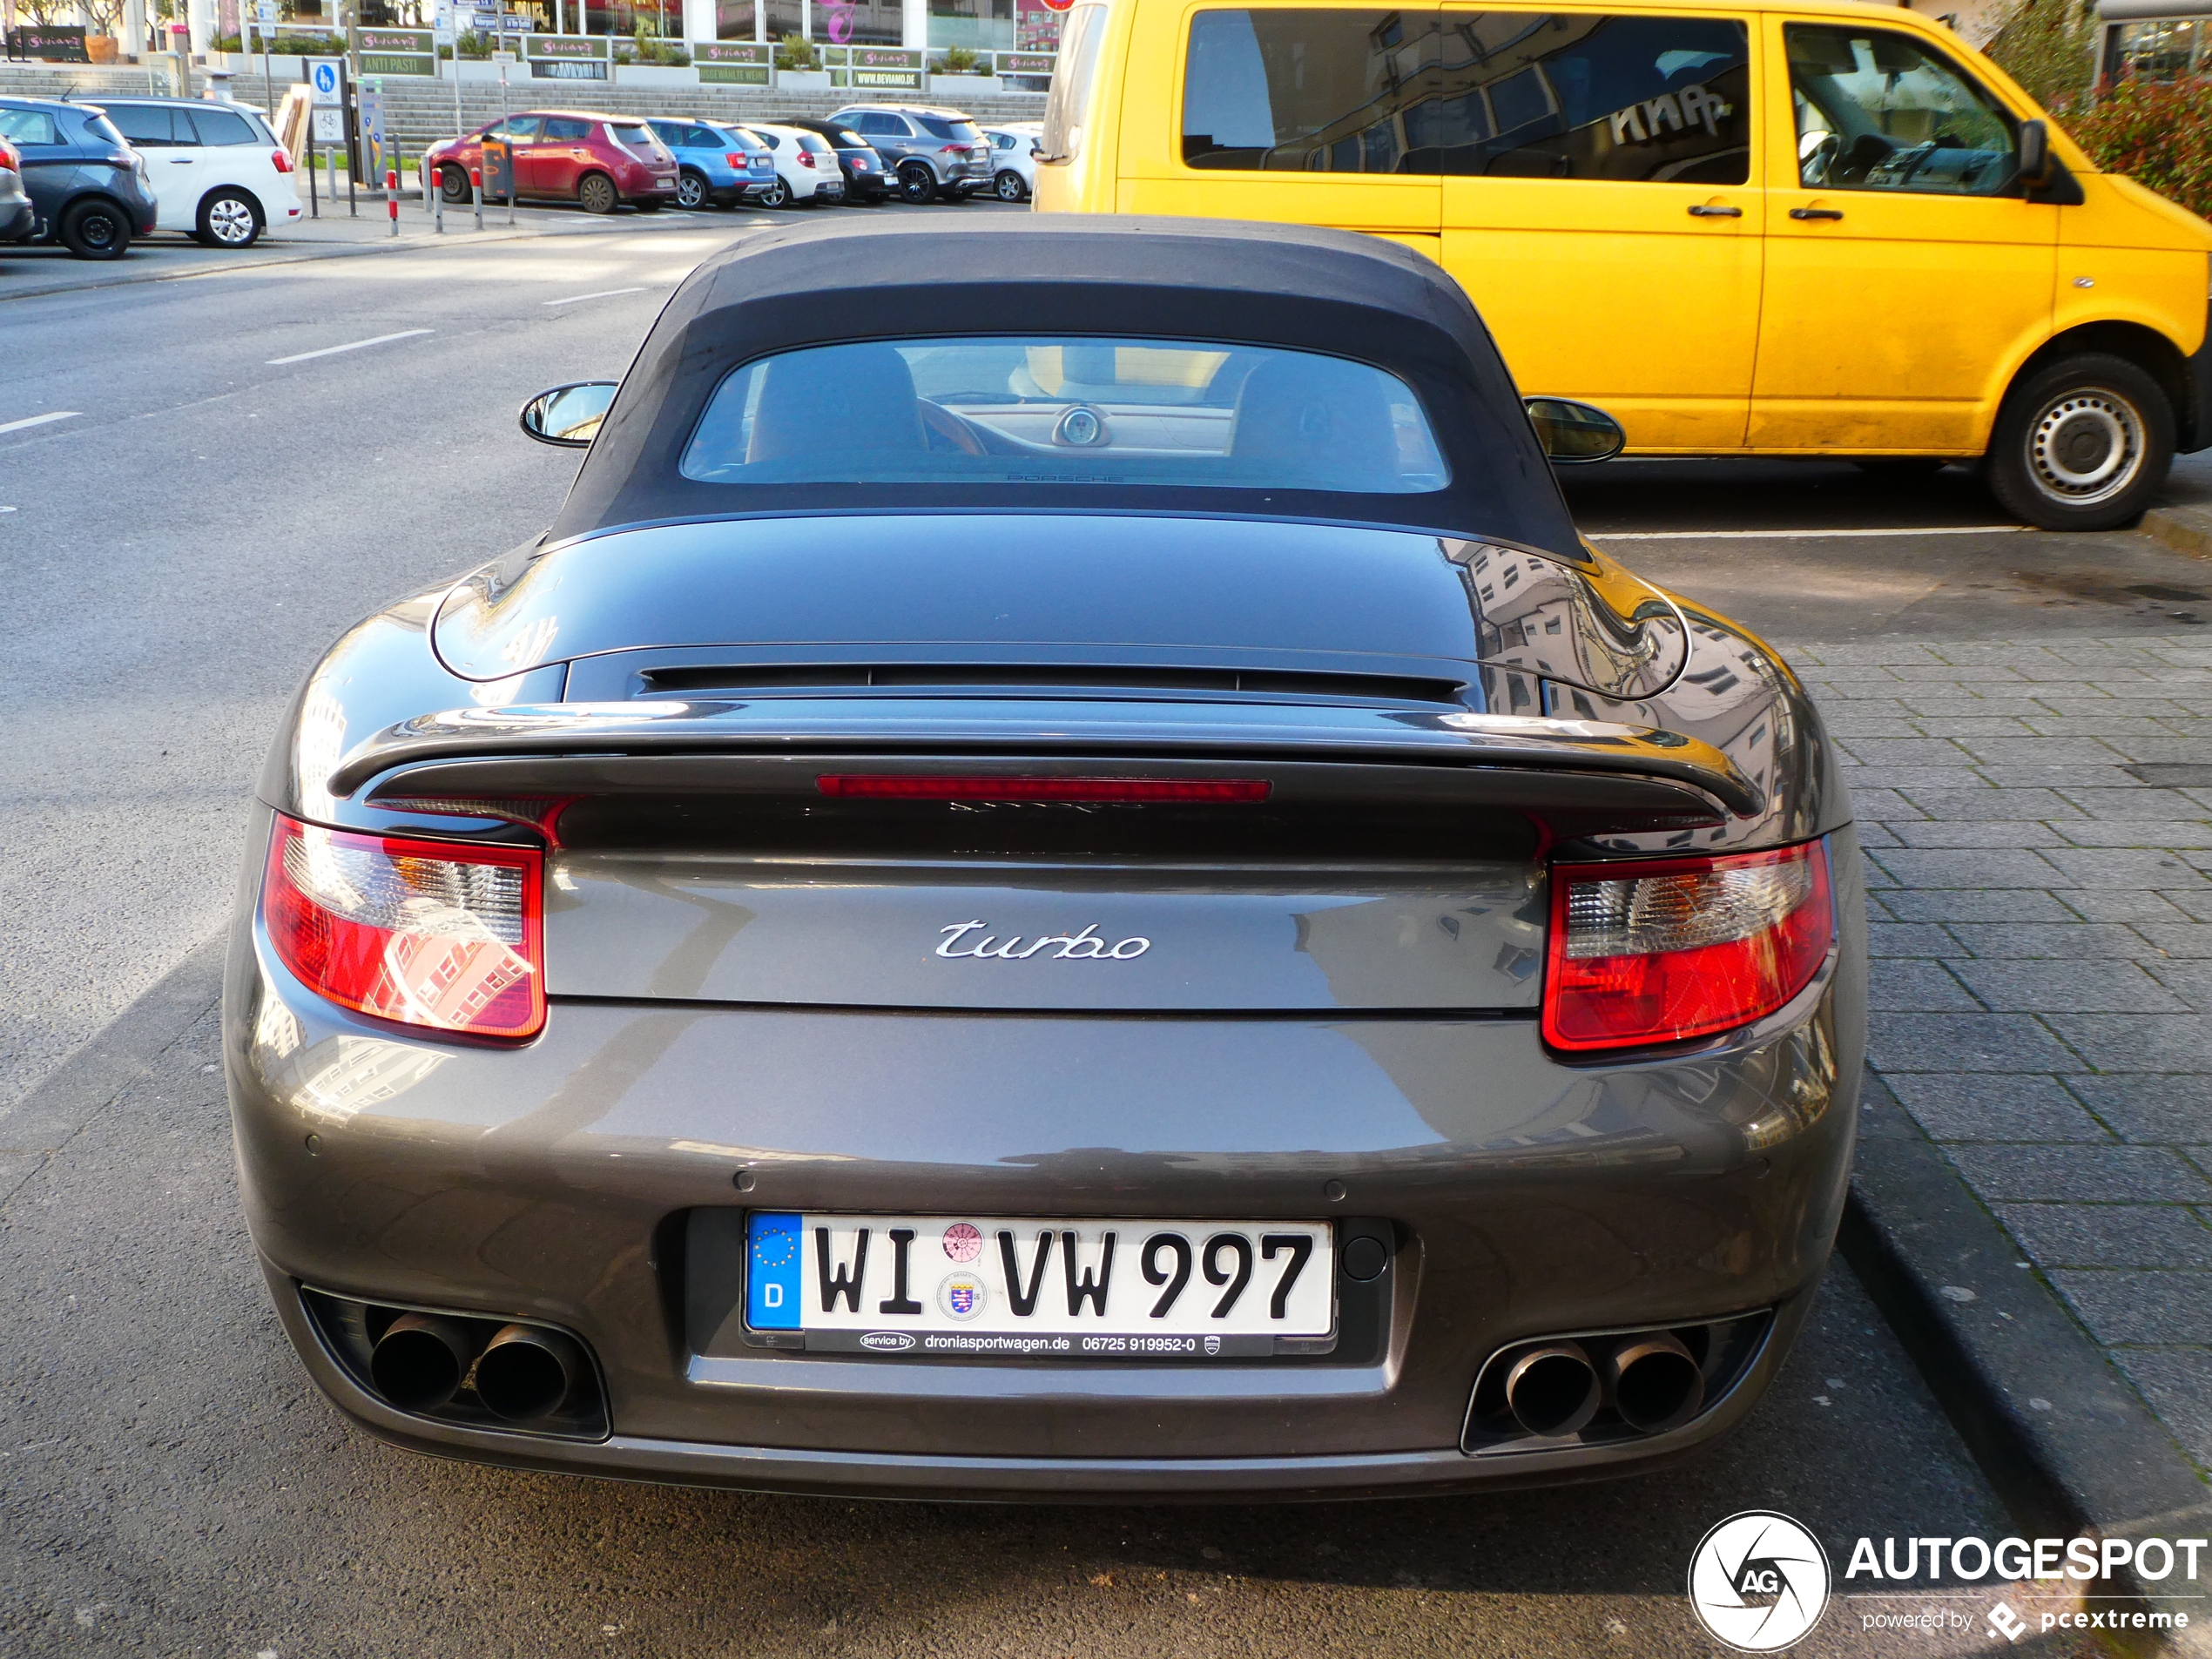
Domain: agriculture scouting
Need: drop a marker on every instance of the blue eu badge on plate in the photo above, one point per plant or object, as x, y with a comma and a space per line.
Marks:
772, 1270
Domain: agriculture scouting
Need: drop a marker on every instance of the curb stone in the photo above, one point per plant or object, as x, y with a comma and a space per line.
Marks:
2067, 1443
2185, 529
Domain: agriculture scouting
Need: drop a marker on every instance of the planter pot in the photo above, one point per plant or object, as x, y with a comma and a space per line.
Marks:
802, 80
101, 48
956, 85
655, 75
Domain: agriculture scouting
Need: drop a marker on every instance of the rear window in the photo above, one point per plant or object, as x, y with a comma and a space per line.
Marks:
1072, 73
634, 137
1067, 410
100, 127
221, 127
959, 132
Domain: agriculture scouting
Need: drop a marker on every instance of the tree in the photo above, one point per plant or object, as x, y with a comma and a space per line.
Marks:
2049, 47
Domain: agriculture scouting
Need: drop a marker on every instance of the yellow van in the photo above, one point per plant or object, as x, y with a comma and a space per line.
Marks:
1822, 229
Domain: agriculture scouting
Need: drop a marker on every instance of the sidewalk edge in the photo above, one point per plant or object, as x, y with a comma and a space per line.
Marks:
2061, 1435
2185, 529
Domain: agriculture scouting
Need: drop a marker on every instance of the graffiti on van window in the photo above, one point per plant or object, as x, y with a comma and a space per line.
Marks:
1675, 111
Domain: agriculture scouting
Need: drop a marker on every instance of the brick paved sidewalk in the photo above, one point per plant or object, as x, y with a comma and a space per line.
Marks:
2038, 821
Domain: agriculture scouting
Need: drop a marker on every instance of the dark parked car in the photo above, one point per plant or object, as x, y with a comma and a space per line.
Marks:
935, 154
597, 161
1112, 905
88, 189
869, 178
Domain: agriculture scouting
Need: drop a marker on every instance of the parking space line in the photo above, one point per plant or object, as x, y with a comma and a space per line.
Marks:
39, 420
1800, 536
578, 299
331, 351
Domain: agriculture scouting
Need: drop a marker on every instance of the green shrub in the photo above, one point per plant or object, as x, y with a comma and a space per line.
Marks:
957, 60
793, 52
2157, 133
2049, 47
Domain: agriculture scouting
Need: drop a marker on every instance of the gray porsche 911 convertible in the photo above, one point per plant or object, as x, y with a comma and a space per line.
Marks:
1104, 903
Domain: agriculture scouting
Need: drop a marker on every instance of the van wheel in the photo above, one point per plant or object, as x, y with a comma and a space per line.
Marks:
95, 230
596, 194
228, 219
2081, 444
917, 184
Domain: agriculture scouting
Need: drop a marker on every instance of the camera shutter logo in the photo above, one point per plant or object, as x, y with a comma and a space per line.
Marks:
1758, 1581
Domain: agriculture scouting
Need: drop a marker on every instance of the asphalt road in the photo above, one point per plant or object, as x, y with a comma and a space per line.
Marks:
176, 552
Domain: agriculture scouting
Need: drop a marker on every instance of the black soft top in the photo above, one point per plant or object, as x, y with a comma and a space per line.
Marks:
1177, 279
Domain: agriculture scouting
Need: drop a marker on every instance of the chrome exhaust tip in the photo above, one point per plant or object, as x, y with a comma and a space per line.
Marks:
420, 1361
528, 1372
1552, 1389
1654, 1383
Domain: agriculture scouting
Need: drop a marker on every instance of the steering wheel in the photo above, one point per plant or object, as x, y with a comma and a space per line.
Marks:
946, 430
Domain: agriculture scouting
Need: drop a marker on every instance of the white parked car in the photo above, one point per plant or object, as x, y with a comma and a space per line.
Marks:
1014, 161
216, 170
806, 166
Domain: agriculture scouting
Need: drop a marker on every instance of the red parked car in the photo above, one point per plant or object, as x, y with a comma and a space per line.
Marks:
598, 161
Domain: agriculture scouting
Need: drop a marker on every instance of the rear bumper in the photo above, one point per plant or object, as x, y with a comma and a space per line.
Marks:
17, 219
555, 1181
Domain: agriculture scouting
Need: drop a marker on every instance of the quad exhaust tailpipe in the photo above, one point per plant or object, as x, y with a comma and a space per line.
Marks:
420, 1361
528, 1372
1653, 1382
1552, 1389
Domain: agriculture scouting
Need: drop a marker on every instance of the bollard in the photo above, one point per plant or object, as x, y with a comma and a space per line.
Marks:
392, 196
436, 194
476, 190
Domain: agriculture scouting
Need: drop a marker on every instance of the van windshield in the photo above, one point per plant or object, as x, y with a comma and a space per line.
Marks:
1067, 410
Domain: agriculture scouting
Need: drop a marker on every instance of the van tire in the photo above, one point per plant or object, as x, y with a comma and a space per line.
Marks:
2081, 444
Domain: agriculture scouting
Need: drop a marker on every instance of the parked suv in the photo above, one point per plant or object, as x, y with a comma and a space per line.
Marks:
866, 178
597, 161
935, 152
719, 165
89, 189
218, 173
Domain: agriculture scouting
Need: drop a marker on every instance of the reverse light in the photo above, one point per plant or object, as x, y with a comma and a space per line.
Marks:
431, 934
894, 787
280, 158
1656, 951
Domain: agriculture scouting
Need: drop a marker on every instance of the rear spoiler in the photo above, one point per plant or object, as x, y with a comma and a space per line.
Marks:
656, 747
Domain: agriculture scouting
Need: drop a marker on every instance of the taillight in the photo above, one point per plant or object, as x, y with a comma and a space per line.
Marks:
805, 159
282, 159
8, 159
733, 160
953, 150
1656, 951
430, 934
898, 786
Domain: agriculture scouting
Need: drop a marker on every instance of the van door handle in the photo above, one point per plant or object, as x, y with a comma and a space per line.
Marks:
1816, 212
1706, 210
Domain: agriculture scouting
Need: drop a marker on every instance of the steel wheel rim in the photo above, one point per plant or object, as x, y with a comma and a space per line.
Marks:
231, 221
690, 193
96, 230
2086, 446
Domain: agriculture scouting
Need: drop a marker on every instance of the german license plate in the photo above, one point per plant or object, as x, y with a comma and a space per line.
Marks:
1041, 1289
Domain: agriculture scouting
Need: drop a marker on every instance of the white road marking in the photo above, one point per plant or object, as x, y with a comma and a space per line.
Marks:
578, 299
1777, 535
39, 420
331, 351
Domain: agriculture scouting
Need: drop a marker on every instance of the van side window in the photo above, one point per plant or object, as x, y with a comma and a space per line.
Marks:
1579, 95
1876, 111
1327, 91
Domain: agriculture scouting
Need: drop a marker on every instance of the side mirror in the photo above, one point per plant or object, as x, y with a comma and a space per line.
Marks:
2035, 153
1574, 434
569, 416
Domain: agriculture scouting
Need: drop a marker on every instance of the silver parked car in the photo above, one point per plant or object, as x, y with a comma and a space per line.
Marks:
937, 154
1111, 905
